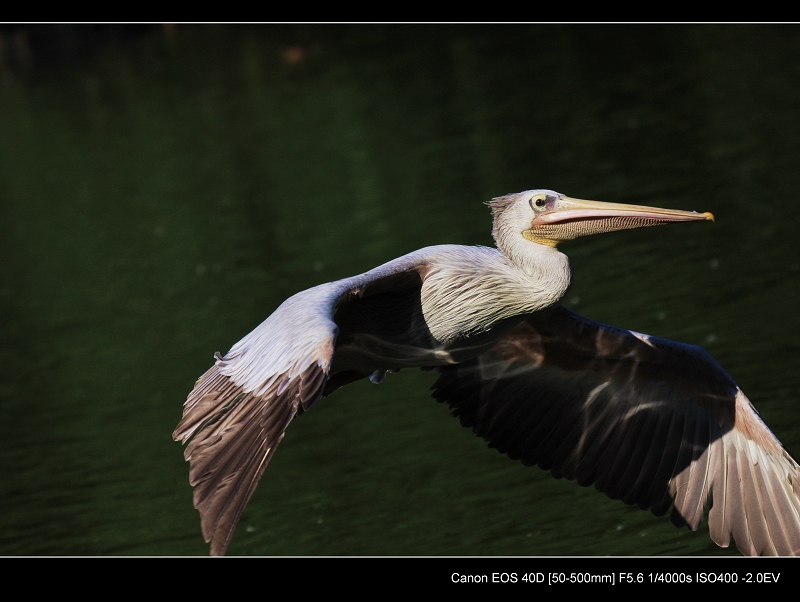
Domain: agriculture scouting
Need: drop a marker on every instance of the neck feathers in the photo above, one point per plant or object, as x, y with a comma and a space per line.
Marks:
540, 262
474, 288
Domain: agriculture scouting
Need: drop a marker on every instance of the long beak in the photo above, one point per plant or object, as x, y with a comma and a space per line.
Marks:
567, 209
568, 219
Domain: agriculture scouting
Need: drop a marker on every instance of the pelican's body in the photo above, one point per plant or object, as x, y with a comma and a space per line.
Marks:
652, 422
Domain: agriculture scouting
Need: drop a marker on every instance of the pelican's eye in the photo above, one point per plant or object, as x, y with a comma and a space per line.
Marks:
538, 203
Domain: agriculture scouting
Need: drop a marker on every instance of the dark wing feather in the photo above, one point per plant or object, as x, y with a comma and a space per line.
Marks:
235, 437
648, 421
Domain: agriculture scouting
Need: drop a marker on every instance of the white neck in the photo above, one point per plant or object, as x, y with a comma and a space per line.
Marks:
472, 288
541, 262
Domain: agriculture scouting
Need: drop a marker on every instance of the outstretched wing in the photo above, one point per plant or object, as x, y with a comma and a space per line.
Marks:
237, 413
648, 421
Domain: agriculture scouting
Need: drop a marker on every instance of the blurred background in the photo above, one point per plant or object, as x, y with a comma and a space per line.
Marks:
164, 188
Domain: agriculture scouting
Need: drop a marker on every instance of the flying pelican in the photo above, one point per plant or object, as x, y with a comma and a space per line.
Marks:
647, 421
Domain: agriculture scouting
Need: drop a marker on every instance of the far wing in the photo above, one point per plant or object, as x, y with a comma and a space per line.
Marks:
237, 413
648, 421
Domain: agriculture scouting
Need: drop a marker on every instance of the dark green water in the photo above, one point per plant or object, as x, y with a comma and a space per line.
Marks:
163, 193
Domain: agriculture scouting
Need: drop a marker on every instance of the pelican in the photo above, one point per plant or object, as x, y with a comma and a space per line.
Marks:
648, 421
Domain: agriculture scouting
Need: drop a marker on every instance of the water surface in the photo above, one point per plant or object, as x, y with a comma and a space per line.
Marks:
161, 192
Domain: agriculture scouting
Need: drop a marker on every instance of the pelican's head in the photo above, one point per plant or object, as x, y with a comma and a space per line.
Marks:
548, 218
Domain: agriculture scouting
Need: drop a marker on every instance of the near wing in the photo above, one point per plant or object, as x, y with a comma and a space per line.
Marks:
648, 421
238, 411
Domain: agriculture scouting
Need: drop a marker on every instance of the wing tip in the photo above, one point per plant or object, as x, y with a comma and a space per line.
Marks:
234, 435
